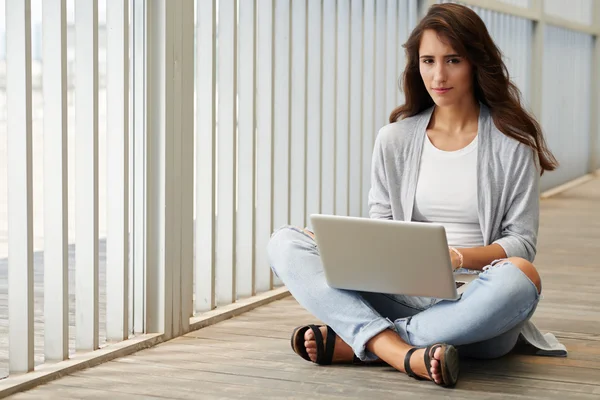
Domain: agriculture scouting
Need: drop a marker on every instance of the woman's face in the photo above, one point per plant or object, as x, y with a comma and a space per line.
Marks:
446, 75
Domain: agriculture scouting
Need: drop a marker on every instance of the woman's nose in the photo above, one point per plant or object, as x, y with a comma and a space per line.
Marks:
440, 75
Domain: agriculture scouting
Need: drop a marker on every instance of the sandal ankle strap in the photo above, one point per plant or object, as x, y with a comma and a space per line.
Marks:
407, 367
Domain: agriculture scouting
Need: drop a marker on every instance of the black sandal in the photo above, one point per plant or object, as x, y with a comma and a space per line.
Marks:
449, 364
324, 352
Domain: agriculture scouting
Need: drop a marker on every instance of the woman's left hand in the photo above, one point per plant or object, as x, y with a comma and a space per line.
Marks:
455, 260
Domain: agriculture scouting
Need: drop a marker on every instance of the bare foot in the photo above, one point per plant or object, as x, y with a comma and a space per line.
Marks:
417, 364
342, 352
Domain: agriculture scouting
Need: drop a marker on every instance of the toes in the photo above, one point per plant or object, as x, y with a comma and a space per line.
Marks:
438, 353
435, 364
437, 378
309, 335
311, 345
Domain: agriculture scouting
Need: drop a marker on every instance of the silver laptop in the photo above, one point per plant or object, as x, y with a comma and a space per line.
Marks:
385, 256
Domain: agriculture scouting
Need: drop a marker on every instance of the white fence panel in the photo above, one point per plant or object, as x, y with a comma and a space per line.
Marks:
226, 148
20, 185
246, 150
86, 125
56, 227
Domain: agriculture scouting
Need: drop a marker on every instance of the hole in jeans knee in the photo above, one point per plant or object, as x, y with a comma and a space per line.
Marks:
529, 270
535, 279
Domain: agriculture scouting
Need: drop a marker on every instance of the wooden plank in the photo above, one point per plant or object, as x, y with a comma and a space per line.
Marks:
245, 268
313, 109
217, 386
197, 356
56, 226
351, 381
20, 185
69, 388
264, 142
86, 174
117, 241
205, 156
305, 382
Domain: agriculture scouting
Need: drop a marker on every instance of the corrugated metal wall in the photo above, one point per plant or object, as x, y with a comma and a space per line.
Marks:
573, 10
566, 99
513, 35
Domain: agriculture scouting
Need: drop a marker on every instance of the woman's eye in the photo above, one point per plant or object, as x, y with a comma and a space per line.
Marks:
453, 61
427, 61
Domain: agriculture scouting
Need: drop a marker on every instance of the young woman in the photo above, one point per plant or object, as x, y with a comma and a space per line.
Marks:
461, 152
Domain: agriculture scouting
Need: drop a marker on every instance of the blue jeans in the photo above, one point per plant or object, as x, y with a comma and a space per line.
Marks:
484, 323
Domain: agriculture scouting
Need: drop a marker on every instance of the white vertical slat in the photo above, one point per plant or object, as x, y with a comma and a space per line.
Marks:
264, 141
313, 109
175, 180
413, 16
595, 103
391, 80
368, 109
298, 115
139, 166
166, 136
169, 132
20, 186
404, 18
281, 116
381, 83
130, 127
205, 155
86, 124
245, 268
117, 240
226, 147
328, 110
342, 108
356, 106
56, 227
130, 98
158, 281
184, 288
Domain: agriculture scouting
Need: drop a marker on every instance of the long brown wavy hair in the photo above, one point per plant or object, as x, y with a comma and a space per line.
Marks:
468, 36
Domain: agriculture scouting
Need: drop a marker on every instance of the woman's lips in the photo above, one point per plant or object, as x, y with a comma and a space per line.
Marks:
442, 90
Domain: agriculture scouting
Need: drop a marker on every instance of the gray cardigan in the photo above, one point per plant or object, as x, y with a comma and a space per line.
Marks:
507, 188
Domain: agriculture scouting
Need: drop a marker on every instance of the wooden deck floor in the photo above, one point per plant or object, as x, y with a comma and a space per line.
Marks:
249, 356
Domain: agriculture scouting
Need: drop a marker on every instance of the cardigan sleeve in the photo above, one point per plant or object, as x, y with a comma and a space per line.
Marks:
520, 221
379, 196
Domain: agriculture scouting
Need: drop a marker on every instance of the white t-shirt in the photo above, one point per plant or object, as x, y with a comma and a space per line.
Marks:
447, 193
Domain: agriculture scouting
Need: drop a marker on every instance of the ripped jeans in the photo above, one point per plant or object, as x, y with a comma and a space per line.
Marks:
484, 323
